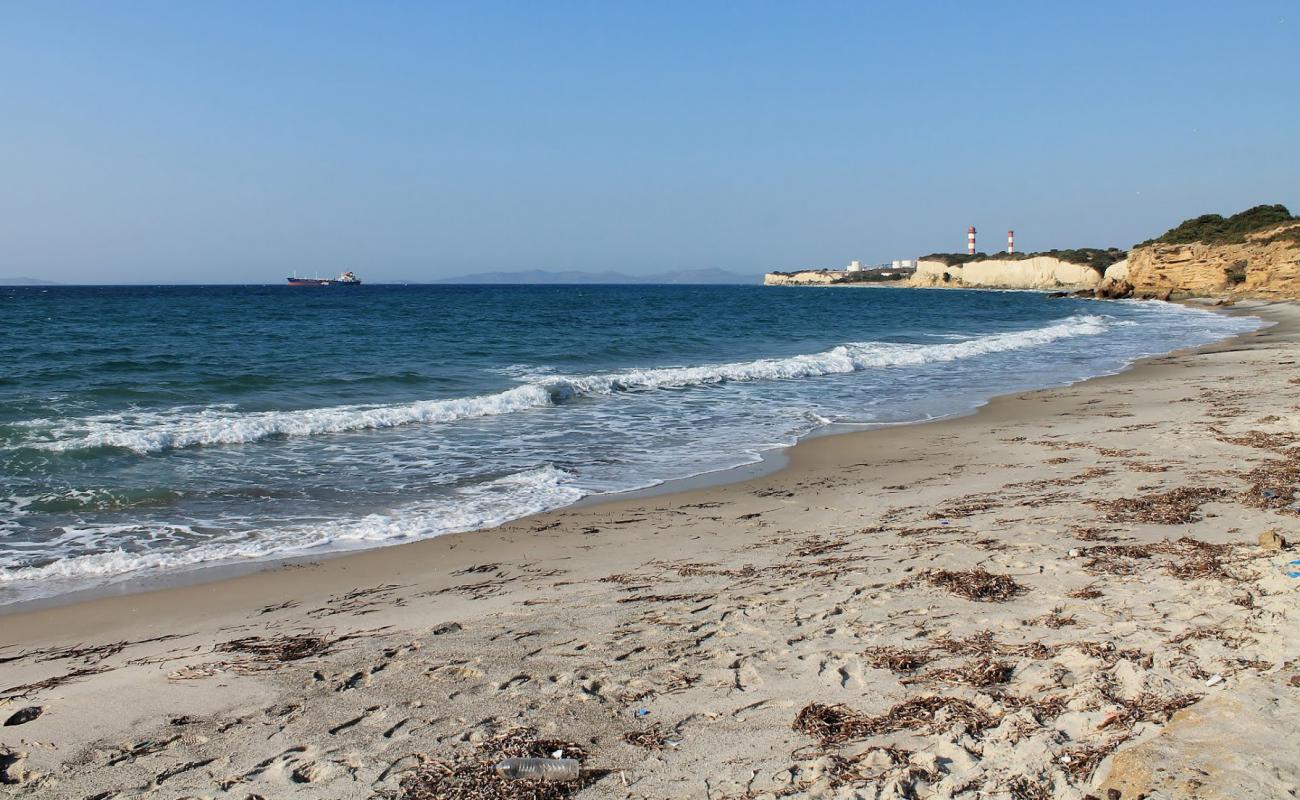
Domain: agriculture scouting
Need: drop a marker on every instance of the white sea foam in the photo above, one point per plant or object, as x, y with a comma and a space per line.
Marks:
487, 505
153, 432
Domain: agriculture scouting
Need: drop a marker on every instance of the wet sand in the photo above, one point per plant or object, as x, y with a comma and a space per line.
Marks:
1062, 593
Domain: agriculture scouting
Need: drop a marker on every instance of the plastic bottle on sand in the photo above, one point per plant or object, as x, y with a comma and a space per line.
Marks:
538, 769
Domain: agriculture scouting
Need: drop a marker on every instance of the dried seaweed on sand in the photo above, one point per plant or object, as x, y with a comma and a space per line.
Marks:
29, 689
1082, 761
698, 597
1191, 558
976, 584
471, 776
652, 738
838, 724
963, 508
897, 659
1175, 507
986, 645
1272, 485
1022, 788
818, 545
284, 647
979, 672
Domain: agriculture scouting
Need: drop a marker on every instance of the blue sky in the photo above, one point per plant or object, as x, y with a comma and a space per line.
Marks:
235, 142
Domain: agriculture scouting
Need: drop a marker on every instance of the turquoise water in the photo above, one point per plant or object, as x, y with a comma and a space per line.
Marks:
150, 429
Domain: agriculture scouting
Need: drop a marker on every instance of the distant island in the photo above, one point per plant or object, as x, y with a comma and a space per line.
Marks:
536, 276
23, 281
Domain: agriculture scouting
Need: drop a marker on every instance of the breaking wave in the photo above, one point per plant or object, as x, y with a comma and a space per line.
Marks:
486, 505
155, 432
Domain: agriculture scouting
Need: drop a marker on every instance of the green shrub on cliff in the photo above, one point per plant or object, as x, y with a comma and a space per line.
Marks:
955, 259
871, 277
1216, 229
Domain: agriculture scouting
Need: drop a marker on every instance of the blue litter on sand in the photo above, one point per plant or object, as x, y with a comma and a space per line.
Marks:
643, 712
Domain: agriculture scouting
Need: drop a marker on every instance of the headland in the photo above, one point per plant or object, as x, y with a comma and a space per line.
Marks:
1252, 254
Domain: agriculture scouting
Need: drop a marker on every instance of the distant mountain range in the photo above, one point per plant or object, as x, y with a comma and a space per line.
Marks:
692, 276
20, 281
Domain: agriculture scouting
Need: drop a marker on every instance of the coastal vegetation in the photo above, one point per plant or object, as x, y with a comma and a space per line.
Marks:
1217, 229
871, 277
1096, 257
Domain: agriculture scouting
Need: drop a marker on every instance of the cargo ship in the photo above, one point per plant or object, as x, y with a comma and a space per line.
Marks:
346, 279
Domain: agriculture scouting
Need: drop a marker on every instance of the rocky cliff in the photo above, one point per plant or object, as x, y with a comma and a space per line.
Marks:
805, 278
1040, 272
1266, 264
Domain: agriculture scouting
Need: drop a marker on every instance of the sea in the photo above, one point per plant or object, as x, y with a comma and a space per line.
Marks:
154, 431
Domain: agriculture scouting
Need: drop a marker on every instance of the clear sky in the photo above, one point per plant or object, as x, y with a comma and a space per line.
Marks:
237, 141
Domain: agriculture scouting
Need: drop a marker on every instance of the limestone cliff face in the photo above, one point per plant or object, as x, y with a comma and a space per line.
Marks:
1263, 266
811, 276
1040, 272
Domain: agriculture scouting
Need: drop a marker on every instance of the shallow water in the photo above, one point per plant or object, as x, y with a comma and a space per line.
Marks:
162, 428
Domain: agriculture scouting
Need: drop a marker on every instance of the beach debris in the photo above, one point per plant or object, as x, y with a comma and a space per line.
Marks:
1023, 788
1088, 592
1110, 719
979, 672
1272, 540
1054, 619
268, 653
698, 597
1148, 707
474, 775
1276, 442
29, 689
1192, 558
23, 715
818, 545
1081, 762
1175, 507
538, 769
642, 712
1214, 680
985, 644
89, 654
283, 647
966, 507
975, 584
897, 659
652, 738
1272, 484
360, 601
837, 724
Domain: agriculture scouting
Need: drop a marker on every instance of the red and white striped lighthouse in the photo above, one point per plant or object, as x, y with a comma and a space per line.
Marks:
1011, 241
970, 240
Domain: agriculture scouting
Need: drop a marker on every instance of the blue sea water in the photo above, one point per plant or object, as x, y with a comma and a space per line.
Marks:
151, 429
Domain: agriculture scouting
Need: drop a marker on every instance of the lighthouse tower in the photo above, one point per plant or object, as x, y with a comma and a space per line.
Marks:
970, 240
1011, 242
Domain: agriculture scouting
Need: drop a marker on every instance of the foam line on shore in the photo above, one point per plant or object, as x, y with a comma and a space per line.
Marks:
488, 505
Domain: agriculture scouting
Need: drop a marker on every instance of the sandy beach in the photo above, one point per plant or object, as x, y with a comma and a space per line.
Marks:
1063, 594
